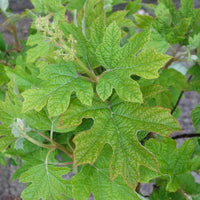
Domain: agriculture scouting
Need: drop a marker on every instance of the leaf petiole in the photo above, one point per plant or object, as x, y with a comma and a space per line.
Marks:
86, 70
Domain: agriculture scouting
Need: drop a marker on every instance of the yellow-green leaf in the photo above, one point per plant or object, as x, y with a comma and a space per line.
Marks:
121, 63
61, 80
117, 123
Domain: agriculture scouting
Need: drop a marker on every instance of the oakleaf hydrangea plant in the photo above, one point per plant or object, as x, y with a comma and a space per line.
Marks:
96, 96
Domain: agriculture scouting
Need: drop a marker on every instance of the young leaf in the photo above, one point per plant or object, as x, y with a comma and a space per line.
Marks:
119, 18
95, 177
61, 80
133, 7
117, 123
39, 6
121, 63
46, 183
143, 21
172, 161
168, 3
194, 42
187, 10
86, 50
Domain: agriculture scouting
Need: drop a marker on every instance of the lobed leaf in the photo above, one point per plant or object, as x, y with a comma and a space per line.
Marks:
172, 161
96, 179
121, 63
117, 123
61, 80
46, 183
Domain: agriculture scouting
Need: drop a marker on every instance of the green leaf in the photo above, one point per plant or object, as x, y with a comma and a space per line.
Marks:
195, 114
179, 31
194, 42
82, 45
76, 4
143, 21
164, 17
97, 31
119, 18
92, 10
2, 159
46, 183
168, 4
41, 121
172, 81
180, 164
161, 194
170, 23
117, 123
121, 63
53, 5
189, 189
187, 7
146, 174
61, 80
133, 7
5, 141
115, 2
171, 77
2, 43
39, 6
41, 50
151, 89
31, 159
188, 184
95, 177
158, 42
3, 77
24, 78
9, 112
194, 84
164, 99
39, 47
2, 95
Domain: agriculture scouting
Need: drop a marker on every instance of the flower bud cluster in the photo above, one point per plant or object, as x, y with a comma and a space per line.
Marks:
52, 33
